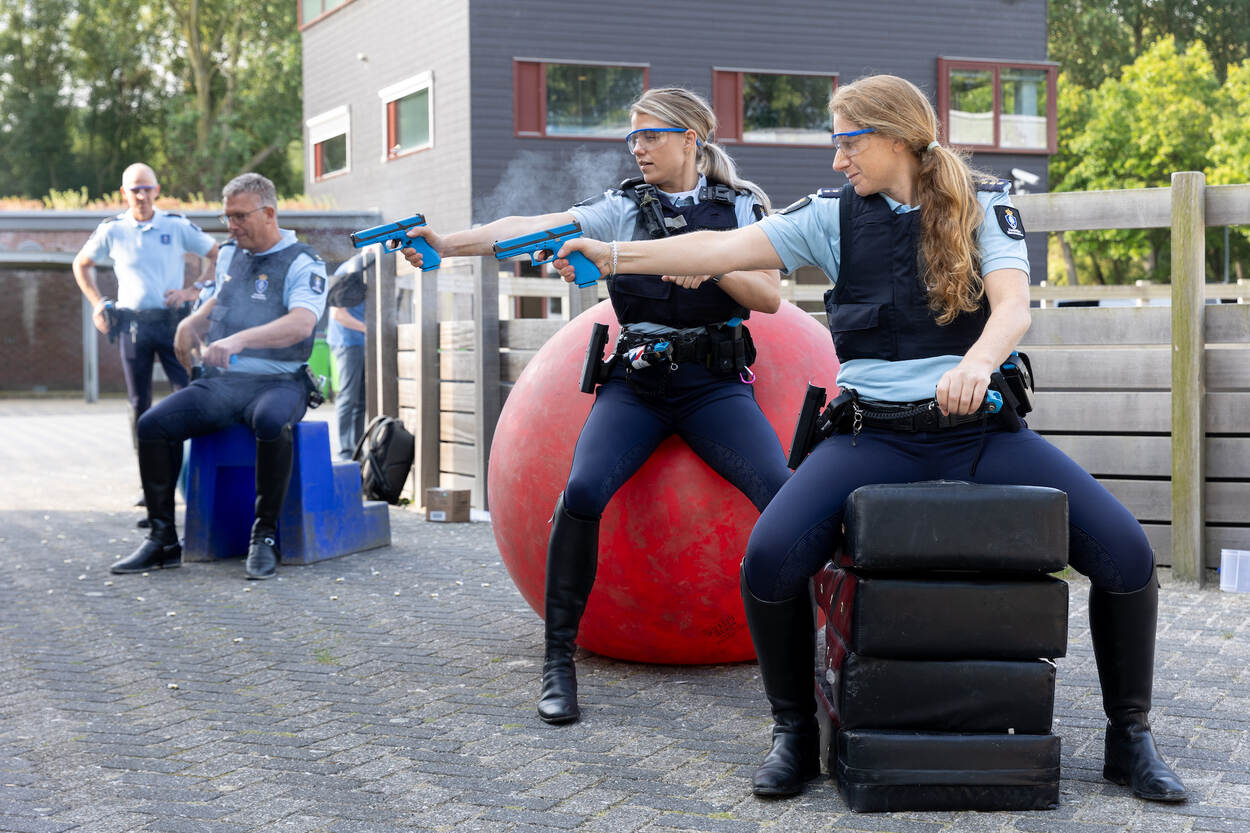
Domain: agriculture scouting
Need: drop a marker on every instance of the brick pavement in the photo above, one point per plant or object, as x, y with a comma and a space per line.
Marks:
394, 690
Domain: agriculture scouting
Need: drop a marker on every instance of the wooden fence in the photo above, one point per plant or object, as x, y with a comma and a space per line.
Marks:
1152, 400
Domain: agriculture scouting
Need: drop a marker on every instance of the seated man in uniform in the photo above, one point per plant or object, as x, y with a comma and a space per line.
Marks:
253, 332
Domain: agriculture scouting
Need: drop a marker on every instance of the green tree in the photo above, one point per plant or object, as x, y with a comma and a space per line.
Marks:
1230, 150
1089, 39
238, 105
117, 46
35, 108
1134, 132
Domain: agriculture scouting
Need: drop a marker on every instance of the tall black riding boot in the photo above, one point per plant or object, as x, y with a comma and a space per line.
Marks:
159, 464
784, 634
572, 557
1122, 627
273, 474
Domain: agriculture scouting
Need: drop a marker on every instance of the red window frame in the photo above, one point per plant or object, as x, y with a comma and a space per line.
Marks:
529, 97
945, 65
392, 129
727, 103
319, 171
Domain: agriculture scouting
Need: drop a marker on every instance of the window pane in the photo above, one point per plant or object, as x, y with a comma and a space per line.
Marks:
788, 109
412, 128
972, 107
590, 101
1024, 108
312, 10
333, 154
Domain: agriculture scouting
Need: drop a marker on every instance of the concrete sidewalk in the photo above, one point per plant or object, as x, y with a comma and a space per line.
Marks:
394, 690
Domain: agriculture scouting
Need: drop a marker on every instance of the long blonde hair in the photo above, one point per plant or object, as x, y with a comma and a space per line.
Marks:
682, 108
946, 189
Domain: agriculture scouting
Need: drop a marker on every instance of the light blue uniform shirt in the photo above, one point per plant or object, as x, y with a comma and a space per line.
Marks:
148, 256
615, 216
297, 293
811, 236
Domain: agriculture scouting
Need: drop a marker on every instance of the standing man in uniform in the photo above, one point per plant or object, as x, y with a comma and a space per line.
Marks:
253, 332
148, 248
346, 336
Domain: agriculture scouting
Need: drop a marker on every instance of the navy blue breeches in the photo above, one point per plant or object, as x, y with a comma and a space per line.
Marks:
717, 416
140, 346
800, 529
264, 402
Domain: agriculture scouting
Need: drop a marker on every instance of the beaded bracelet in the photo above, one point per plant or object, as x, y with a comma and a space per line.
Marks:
614, 256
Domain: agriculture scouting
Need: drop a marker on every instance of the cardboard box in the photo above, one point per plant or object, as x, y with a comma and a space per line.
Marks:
447, 505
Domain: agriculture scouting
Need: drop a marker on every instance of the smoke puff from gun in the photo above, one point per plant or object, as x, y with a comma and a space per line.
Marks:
394, 236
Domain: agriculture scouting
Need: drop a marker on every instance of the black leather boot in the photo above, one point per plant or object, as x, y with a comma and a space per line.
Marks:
159, 463
273, 475
572, 557
1122, 627
784, 635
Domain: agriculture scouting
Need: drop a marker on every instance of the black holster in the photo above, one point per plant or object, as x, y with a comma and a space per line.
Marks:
595, 371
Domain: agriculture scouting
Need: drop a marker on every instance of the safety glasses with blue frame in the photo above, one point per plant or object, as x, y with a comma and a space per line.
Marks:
855, 145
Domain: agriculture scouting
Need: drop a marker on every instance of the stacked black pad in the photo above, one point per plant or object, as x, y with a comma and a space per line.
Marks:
941, 623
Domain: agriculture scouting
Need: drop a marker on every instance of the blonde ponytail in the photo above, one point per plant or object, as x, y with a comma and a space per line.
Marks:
682, 108
946, 191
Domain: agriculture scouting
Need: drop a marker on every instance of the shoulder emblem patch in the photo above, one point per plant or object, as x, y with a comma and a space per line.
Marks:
1009, 221
317, 283
796, 205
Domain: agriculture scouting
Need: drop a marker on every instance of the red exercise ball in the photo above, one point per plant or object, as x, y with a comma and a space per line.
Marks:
672, 538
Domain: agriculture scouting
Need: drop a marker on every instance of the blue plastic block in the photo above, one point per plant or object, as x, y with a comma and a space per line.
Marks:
323, 515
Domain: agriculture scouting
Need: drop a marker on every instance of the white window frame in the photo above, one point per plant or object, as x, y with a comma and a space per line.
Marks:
325, 126
403, 89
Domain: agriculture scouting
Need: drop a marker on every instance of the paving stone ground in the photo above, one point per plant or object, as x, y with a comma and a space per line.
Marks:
394, 690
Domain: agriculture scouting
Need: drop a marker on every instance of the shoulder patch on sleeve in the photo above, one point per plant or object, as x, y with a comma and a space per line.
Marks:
828, 193
796, 205
317, 283
1009, 221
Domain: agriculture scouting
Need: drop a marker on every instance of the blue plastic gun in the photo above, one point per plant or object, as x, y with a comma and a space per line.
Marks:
394, 236
542, 246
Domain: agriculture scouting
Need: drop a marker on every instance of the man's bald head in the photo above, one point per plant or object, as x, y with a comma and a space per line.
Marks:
139, 187
138, 174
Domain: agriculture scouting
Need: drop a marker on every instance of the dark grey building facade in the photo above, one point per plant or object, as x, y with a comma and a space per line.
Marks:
467, 110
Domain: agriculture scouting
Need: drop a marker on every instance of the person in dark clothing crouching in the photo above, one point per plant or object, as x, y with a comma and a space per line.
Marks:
253, 333
930, 298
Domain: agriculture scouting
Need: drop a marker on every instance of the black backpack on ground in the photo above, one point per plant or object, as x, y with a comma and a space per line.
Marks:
385, 453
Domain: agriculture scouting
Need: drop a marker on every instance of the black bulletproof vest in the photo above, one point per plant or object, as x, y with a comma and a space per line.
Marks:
637, 298
879, 309
252, 295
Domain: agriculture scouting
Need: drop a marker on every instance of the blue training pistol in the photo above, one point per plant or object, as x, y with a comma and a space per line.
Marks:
542, 246
394, 236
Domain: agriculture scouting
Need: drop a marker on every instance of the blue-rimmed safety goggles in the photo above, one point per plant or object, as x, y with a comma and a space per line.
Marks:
640, 136
849, 148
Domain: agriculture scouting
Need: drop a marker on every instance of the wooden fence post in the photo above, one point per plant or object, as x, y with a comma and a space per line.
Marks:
388, 337
372, 269
486, 370
1188, 382
90, 355
426, 435
581, 299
